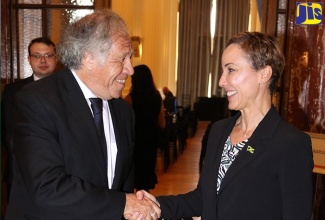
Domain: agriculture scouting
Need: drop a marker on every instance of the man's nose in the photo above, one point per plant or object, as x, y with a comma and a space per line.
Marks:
43, 59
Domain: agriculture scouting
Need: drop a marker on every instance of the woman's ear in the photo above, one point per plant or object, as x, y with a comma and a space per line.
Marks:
266, 74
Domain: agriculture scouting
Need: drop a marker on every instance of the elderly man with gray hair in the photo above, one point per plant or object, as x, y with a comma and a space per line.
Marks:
73, 140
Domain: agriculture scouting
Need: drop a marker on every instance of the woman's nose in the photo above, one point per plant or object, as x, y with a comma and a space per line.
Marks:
222, 81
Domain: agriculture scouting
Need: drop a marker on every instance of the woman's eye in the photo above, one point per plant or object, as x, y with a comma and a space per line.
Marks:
230, 70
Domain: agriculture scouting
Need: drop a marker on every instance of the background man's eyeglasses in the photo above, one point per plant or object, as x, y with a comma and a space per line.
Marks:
48, 56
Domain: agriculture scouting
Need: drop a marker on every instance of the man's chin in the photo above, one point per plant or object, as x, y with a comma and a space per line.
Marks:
117, 96
42, 73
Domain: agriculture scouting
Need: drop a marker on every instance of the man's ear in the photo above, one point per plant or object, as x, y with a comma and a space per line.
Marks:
88, 61
266, 74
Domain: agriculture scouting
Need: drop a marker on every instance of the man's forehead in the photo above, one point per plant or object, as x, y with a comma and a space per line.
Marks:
41, 45
122, 46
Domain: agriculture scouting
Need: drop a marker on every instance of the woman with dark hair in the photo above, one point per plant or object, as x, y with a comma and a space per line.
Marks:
147, 104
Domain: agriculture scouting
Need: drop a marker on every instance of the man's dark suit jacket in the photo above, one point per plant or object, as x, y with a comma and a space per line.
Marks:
7, 118
272, 180
8, 106
59, 168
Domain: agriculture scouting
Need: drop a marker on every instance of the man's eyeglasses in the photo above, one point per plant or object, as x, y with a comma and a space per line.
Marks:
38, 57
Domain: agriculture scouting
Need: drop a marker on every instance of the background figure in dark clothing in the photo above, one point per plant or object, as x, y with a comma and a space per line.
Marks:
149, 120
169, 101
42, 60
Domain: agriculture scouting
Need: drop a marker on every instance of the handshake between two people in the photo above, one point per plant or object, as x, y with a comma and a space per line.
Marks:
141, 206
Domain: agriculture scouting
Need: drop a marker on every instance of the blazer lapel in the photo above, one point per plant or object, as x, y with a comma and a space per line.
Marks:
115, 113
253, 147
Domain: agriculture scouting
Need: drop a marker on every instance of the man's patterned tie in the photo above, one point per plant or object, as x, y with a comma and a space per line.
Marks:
97, 107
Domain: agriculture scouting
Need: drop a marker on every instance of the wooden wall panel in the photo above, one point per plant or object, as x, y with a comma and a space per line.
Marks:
5, 43
303, 94
304, 103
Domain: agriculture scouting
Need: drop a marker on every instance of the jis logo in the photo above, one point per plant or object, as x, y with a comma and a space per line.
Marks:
310, 13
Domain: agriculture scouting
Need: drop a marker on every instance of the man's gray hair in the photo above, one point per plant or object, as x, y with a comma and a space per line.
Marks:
93, 34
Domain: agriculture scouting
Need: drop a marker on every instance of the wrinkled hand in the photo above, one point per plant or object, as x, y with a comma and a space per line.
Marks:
141, 207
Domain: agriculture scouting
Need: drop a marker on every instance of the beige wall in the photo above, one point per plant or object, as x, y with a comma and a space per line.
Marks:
155, 22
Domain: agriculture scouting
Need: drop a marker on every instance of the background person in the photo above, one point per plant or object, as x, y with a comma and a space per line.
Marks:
42, 59
257, 166
149, 120
169, 100
60, 168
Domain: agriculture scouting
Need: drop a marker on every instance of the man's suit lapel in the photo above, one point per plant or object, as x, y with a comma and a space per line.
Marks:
118, 130
79, 109
253, 147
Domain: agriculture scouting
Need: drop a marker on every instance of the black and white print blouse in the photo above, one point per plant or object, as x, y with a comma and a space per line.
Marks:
229, 154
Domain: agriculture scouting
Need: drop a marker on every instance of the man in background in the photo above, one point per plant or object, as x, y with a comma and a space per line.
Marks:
42, 59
